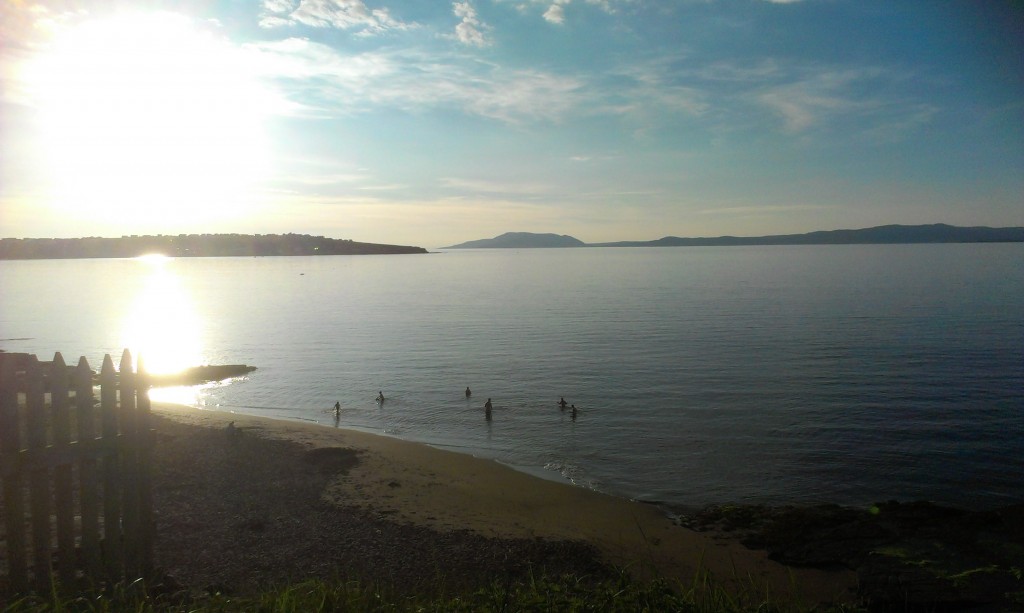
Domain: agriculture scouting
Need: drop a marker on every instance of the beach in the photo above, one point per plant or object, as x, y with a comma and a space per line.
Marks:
268, 501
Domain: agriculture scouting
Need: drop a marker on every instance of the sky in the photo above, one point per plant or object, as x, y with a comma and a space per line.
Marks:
434, 123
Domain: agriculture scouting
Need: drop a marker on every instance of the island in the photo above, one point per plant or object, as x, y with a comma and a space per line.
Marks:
191, 245
879, 235
521, 240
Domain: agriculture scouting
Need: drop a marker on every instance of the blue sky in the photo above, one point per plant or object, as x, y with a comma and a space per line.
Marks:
433, 123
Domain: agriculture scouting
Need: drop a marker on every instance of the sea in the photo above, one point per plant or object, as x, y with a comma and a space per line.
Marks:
847, 374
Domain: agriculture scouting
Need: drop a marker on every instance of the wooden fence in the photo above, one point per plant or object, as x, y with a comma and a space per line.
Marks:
76, 497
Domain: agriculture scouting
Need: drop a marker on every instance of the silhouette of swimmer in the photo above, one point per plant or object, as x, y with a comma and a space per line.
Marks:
337, 409
574, 412
487, 408
562, 403
468, 393
380, 397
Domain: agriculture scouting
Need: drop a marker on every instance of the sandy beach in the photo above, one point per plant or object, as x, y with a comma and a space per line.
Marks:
285, 500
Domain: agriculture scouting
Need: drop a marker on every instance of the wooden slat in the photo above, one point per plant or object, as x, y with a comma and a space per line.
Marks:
129, 467
14, 506
39, 478
112, 558
88, 482
62, 486
147, 525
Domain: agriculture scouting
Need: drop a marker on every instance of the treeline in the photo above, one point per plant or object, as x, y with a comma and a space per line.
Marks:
190, 245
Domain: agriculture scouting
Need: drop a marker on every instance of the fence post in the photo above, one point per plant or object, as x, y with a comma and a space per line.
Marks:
145, 438
129, 467
89, 497
14, 501
39, 479
112, 559
62, 486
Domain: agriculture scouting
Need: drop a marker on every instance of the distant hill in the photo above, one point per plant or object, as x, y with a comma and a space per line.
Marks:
190, 245
521, 240
893, 234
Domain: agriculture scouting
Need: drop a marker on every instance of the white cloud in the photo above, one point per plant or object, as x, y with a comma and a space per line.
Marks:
555, 9
279, 6
470, 30
340, 14
555, 14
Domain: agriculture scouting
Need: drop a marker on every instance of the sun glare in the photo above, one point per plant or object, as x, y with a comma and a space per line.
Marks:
162, 325
147, 119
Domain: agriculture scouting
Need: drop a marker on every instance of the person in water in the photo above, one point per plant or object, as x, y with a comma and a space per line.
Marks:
562, 403
380, 396
574, 412
337, 409
468, 393
487, 408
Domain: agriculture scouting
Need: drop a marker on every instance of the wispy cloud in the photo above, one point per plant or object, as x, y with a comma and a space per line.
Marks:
332, 83
762, 209
470, 30
820, 97
481, 187
797, 97
340, 14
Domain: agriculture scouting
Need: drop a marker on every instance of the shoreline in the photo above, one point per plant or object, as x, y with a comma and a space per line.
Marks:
446, 492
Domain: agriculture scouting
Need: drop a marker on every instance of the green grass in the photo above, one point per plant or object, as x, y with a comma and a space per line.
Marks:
543, 593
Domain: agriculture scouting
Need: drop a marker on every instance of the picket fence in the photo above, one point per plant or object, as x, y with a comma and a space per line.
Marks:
77, 496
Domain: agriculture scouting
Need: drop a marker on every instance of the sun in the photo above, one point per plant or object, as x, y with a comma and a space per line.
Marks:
149, 120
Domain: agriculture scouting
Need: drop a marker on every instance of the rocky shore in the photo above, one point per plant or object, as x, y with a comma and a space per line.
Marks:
914, 556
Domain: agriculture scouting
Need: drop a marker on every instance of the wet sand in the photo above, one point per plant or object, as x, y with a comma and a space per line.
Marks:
439, 492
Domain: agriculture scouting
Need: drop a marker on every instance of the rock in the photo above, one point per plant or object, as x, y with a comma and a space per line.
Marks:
197, 375
908, 556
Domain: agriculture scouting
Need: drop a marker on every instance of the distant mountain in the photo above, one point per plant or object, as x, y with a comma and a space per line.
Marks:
521, 240
893, 234
190, 245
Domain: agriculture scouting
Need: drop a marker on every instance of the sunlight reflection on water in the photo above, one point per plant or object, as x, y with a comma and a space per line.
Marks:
188, 395
162, 324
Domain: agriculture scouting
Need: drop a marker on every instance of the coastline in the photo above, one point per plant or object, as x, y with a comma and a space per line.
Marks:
448, 493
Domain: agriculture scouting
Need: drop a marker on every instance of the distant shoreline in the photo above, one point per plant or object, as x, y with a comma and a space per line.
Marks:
880, 235
191, 245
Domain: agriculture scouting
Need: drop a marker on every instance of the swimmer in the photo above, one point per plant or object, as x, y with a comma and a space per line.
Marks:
562, 403
380, 397
574, 412
468, 393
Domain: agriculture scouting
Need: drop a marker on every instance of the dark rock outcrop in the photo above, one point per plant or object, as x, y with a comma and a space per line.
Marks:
914, 556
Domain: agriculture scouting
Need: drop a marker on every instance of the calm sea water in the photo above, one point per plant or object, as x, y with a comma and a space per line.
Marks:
846, 374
